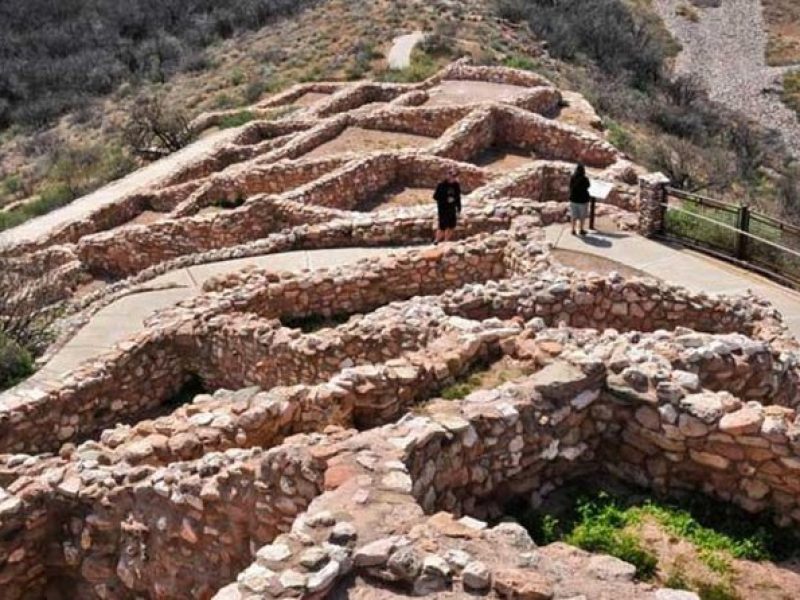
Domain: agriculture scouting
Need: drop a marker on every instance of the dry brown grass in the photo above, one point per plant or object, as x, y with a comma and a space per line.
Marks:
783, 26
791, 90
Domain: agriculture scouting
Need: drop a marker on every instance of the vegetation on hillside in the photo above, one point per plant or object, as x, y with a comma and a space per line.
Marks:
791, 90
613, 51
57, 53
783, 26
23, 324
616, 52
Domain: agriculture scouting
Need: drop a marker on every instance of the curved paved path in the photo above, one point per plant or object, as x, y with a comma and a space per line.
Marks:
675, 264
126, 316
399, 56
137, 180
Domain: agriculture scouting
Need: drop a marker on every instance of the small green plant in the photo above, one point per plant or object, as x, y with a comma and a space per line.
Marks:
236, 119
223, 101
422, 66
618, 136
676, 581
601, 528
791, 90
10, 185
15, 362
716, 591
237, 77
520, 61
599, 522
457, 391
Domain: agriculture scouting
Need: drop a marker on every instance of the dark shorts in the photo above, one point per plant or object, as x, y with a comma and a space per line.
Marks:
448, 220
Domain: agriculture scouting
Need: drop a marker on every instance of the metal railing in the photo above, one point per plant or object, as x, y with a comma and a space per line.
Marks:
736, 232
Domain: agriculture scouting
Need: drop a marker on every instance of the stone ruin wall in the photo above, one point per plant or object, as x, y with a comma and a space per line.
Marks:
459, 456
313, 463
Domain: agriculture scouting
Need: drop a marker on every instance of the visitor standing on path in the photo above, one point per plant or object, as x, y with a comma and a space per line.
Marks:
578, 198
448, 205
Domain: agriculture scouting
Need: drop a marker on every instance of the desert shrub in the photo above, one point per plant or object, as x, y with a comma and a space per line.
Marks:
791, 90
442, 41
28, 307
363, 53
254, 90
519, 61
154, 124
195, 62
74, 171
606, 32
422, 66
788, 190
11, 185
618, 135
236, 119
56, 53
15, 362
237, 77
11, 218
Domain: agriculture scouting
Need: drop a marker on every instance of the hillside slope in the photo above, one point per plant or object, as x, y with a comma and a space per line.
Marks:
726, 48
599, 50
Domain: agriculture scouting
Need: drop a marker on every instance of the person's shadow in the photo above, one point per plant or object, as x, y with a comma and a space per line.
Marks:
597, 239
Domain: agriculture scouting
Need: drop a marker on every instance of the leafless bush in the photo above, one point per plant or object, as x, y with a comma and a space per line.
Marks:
154, 127
27, 309
689, 166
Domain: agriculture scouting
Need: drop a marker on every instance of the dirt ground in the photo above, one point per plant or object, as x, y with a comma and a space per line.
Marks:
458, 92
578, 112
588, 262
750, 579
146, 217
503, 159
310, 98
783, 26
397, 196
357, 139
209, 210
87, 288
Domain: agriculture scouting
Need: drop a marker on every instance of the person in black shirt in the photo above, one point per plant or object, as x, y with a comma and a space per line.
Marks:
448, 204
578, 197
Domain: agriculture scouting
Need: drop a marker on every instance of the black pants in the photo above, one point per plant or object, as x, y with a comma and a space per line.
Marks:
448, 219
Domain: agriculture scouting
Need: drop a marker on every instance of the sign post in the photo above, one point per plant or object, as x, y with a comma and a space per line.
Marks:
598, 190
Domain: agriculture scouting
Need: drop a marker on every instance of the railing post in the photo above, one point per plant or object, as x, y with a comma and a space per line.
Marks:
652, 197
743, 225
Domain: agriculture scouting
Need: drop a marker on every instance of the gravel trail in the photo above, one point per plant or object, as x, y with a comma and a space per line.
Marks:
726, 50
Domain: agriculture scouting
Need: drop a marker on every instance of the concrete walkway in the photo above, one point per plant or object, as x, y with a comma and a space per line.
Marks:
674, 264
139, 179
126, 316
681, 266
399, 56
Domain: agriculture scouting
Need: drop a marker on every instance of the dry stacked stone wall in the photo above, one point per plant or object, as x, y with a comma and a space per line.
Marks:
282, 435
